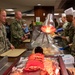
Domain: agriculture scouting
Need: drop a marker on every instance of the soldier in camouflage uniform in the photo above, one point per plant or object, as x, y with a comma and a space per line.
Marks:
68, 33
63, 17
17, 34
69, 30
72, 45
4, 42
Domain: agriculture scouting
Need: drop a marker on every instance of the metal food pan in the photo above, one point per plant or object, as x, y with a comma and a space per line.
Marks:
63, 70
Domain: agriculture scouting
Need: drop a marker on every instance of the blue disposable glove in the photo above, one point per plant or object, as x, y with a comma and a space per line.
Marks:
64, 48
61, 48
59, 30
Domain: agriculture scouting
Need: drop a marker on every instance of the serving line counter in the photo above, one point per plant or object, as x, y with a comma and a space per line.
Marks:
9, 58
4, 65
49, 45
9, 62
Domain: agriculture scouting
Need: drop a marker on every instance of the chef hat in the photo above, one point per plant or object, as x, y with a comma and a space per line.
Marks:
63, 15
73, 13
60, 20
69, 11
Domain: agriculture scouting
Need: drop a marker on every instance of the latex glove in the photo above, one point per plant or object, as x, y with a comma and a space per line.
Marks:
59, 30
61, 48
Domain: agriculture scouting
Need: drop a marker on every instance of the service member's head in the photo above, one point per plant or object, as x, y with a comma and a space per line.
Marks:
69, 18
69, 14
63, 17
2, 16
18, 15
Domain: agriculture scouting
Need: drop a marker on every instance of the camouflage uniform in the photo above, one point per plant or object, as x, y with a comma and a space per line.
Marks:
64, 25
73, 46
68, 32
16, 33
4, 42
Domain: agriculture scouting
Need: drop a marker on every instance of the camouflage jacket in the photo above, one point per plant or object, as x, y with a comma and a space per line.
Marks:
69, 31
73, 46
4, 42
64, 25
16, 30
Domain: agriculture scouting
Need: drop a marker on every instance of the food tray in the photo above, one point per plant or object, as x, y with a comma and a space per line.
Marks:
13, 53
27, 40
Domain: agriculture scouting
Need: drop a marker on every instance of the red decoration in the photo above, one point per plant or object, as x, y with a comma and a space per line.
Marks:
48, 29
35, 62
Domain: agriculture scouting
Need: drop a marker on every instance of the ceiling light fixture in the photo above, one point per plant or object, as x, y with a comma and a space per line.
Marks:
56, 13
39, 4
9, 9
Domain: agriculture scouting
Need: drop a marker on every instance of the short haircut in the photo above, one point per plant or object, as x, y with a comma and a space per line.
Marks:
17, 12
2, 10
39, 49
